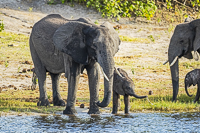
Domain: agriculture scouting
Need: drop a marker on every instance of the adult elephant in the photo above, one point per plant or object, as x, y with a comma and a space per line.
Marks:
59, 45
186, 38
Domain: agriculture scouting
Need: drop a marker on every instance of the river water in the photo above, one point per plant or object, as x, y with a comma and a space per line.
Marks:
82, 122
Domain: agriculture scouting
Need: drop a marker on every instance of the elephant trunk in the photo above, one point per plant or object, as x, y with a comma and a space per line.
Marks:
175, 77
107, 64
136, 96
130, 91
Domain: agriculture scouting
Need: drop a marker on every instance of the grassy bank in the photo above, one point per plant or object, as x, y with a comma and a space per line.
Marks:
14, 51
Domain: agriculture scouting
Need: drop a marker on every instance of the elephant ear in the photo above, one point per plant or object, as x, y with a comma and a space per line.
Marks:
196, 43
69, 39
114, 37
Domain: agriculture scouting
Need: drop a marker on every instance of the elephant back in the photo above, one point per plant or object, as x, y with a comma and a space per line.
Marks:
41, 39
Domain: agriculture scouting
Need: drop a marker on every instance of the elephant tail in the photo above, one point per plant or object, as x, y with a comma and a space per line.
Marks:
34, 80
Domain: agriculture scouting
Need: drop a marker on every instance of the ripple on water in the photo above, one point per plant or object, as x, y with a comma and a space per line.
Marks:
135, 122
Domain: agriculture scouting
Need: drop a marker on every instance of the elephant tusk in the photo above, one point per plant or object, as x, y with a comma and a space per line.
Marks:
118, 72
196, 56
149, 101
103, 73
165, 62
175, 59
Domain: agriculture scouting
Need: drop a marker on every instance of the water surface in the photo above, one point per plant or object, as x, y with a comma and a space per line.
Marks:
82, 122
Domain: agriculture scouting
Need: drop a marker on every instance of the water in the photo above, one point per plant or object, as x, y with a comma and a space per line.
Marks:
82, 122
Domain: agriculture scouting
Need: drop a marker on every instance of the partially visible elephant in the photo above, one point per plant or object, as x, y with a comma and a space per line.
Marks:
185, 39
189, 19
193, 78
123, 85
59, 45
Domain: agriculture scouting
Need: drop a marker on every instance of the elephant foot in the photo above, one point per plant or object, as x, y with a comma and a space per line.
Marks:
69, 111
94, 110
44, 102
58, 102
114, 112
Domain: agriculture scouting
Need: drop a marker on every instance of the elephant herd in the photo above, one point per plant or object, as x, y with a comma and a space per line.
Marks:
59, 45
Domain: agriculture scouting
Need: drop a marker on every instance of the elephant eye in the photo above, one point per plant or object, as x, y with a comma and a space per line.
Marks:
181, 41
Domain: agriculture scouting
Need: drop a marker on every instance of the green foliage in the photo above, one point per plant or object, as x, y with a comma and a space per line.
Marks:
151, 38
96, 22
133, 71
192, 3
195, 3
129, 8
1, 25
121, 8
6, 63
51, 2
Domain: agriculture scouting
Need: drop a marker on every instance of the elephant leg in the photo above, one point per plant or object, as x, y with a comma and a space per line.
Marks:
73, 74
40, 71
198, 93
57, 100
127, 103
93, 79
116, 101
43, 101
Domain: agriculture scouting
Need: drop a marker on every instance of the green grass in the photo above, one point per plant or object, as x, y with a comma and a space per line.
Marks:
135, 40
14, 47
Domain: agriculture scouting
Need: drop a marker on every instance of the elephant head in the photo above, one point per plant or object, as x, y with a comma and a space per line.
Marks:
184, 40
85, 42
124, 85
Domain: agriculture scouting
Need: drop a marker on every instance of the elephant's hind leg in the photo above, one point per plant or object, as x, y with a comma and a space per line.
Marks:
41, 74
93, 79
57, 100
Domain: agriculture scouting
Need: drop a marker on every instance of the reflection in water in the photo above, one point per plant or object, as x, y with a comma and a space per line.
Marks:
135, 122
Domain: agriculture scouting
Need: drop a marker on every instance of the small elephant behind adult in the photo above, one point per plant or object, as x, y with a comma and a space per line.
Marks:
123, 85
193, 78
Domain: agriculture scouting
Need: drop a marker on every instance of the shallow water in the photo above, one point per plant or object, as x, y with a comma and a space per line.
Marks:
82, 122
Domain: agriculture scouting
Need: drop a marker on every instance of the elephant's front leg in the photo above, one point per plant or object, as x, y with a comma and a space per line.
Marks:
127, 103
73, 74
116, 102
57, 100
93, 79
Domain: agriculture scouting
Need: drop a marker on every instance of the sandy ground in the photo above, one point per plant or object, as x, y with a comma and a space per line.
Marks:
19, 16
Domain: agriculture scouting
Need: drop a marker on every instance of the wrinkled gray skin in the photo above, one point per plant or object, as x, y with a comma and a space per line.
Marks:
193, 78
59, 45
123, 86
186, 38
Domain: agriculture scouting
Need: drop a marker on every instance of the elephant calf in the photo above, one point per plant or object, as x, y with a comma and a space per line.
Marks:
193, 77
123, 85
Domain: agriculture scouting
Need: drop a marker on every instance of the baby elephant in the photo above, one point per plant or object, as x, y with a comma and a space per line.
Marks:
123, 85
193, 78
